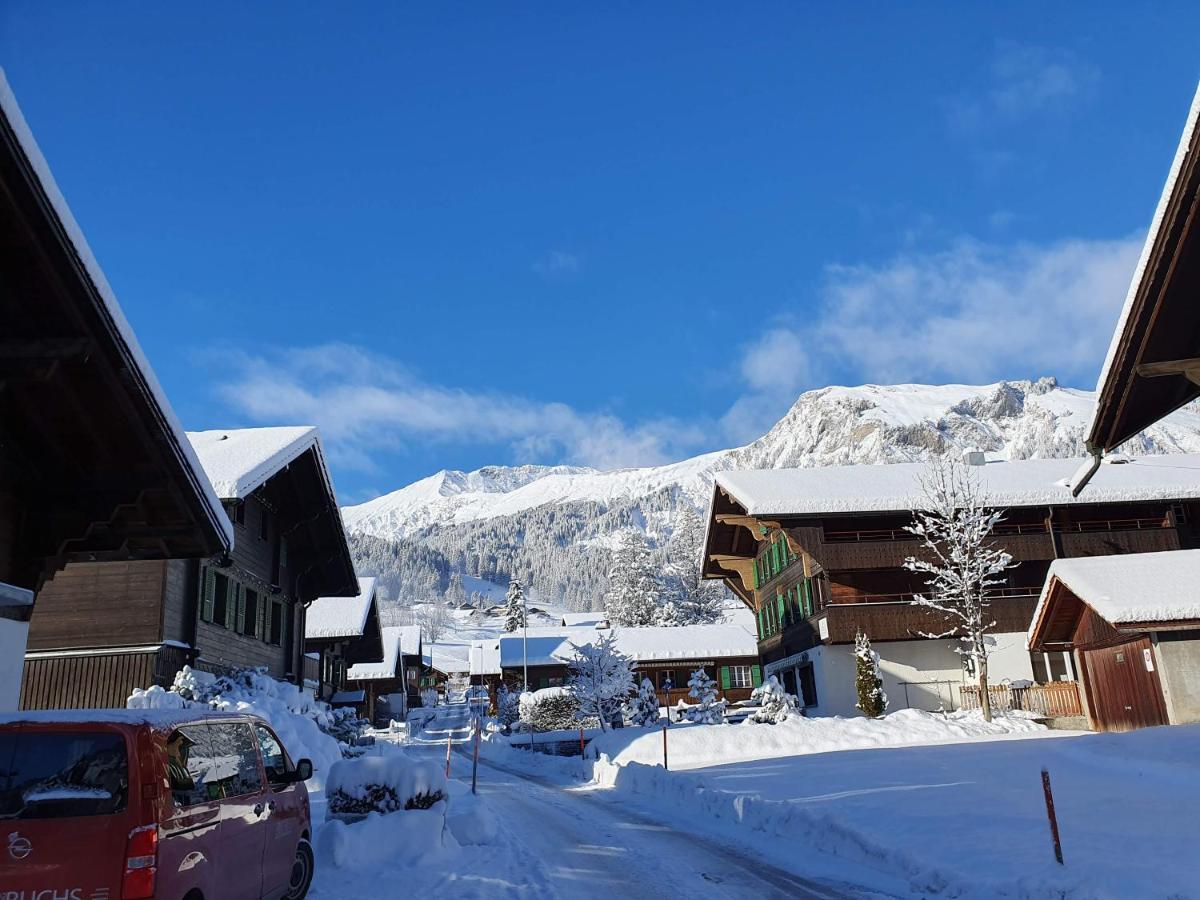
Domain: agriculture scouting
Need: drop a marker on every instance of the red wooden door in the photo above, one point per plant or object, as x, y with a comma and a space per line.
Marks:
1124, 689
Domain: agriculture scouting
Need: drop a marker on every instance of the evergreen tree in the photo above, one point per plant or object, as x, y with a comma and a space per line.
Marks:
601, 679
643, 708
708, 710
774, 703
697, 601
633, 585
867, 680
514, 607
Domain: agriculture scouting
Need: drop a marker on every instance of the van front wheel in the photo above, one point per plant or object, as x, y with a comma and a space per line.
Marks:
302, 872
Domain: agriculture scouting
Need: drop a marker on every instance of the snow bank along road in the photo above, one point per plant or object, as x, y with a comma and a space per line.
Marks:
582, 844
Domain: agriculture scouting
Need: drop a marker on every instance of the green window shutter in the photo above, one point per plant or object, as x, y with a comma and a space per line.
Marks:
724, 678
808, 597
758, 617
240, 605
756, 675
754, 579
782, 605
264, 617
208, 583
230, 603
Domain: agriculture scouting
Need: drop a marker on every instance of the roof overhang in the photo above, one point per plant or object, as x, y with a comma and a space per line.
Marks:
1153, 363
91, 449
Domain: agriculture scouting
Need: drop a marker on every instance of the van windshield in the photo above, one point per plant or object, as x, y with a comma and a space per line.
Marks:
56, 774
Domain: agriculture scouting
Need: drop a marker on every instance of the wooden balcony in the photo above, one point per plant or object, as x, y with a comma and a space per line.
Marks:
896, 617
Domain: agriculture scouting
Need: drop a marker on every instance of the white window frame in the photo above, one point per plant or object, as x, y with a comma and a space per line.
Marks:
740, 677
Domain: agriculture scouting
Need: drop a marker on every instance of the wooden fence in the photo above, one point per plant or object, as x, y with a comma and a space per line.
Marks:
1060, 698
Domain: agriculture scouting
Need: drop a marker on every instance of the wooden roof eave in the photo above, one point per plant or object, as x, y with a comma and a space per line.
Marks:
1153, 363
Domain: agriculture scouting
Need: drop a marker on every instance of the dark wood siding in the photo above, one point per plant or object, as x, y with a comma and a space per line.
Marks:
1123, 694
100, 680
180, 596
117, 604
222, 649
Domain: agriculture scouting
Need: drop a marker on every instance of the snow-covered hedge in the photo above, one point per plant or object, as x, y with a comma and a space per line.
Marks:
552, 709
308, 727
383, 784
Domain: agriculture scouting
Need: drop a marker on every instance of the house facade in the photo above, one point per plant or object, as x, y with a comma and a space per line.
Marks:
342, 631
818, 555
391, 686
93, 462
667, 656
233, 610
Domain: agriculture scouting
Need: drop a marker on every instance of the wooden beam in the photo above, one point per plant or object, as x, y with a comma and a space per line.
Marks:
1188, 368
742, 565
758, 530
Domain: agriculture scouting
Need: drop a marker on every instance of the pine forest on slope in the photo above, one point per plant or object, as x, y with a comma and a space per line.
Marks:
461, 536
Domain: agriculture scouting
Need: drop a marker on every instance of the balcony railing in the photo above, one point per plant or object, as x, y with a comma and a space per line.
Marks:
909, 597
1005, 529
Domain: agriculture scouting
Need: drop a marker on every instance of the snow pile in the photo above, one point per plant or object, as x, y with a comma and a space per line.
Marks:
383, 784
551, 709
408, 839
470, 819
704, 745
303, 723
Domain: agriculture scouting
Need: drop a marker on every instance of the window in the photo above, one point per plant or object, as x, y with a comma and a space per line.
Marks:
239, 512
264, 528
235, 753
275, 759
666, 680
211, 762
220, 599
276, 622
739, 677
53, 775
250, 613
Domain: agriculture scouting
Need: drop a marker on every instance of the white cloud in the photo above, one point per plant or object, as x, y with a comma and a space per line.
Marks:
971, 313
557, 264
366, 405
1025, 80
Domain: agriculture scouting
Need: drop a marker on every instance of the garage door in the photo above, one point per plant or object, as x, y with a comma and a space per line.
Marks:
1123, 687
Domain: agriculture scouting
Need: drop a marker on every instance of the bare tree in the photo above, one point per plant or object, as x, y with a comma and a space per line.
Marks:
434, 619
960, 561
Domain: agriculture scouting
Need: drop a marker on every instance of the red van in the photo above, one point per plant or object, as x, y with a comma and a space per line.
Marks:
133, 804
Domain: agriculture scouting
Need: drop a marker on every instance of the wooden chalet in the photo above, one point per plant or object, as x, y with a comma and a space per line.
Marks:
391, 686
94, 465
1133, 625
342, 631
817, 555
667, 656
239, 609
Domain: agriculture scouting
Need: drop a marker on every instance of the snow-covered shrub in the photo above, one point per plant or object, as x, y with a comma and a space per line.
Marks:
508, 705
302, 722
775, 704
383, 784
707, 710
552, 709
601, 679
868, 682
429, 697
643, 708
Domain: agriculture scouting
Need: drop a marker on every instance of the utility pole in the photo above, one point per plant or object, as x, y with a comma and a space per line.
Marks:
525, 637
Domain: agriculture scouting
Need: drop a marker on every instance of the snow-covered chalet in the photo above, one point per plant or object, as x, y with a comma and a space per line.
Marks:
818, 555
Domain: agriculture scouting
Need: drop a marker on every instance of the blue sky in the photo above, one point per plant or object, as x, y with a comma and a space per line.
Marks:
454, 235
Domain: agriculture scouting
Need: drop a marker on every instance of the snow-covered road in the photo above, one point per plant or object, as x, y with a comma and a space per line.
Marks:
579, 843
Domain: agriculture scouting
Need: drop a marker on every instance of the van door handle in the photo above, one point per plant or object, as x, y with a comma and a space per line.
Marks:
258, 809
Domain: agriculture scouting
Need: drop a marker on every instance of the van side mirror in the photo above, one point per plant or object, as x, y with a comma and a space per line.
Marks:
303, 770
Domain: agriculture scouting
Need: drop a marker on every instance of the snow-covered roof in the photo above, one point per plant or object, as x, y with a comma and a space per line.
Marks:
141, 365
1130, 587
337, 617
687, 642
1152, 237
11, 595
896, 487
239, 460
485, 657
397, 640
551, 647
581, 619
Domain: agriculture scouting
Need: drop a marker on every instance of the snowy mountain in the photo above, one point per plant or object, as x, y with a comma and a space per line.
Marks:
552, 525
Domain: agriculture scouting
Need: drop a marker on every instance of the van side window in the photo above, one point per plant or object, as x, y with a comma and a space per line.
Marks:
274, 759
236, 751
190, 765
56, 774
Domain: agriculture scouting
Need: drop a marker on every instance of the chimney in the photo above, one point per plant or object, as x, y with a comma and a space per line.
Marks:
974, 457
